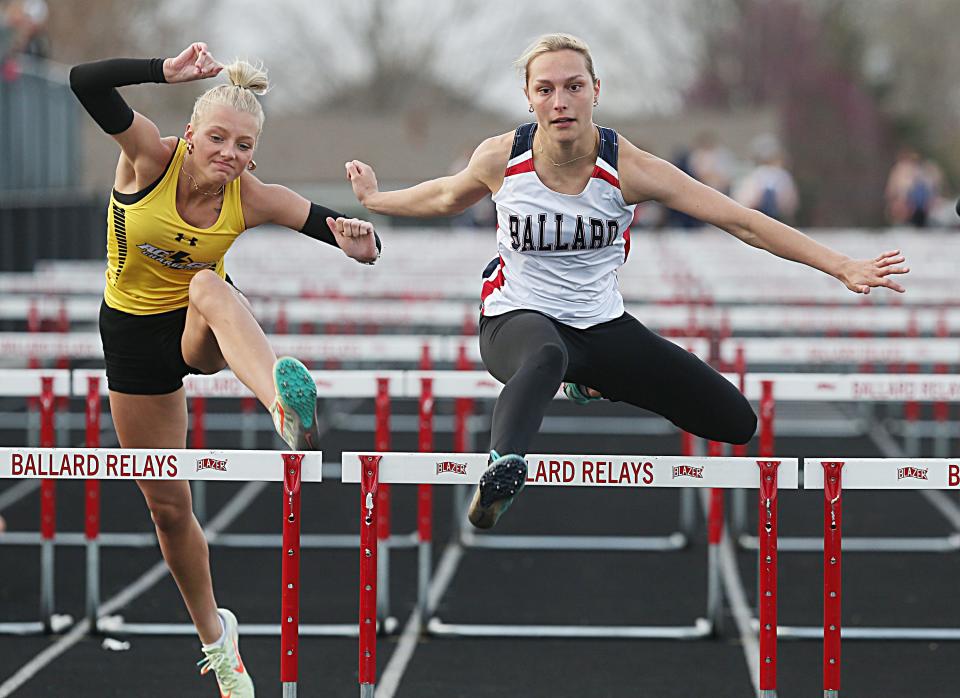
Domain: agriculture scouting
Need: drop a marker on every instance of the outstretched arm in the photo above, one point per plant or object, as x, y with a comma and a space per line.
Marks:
645, 177
95, 85
272, 203
445, 196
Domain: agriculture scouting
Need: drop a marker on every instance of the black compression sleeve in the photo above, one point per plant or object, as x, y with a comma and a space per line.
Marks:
316, 226
95, 85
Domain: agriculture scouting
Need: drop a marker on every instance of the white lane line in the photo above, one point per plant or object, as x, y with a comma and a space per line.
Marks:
223, 519
736, 594
407, 645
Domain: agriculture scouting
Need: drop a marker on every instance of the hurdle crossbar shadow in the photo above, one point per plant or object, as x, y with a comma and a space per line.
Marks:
833, 476
912, 389
372, 470
290, 469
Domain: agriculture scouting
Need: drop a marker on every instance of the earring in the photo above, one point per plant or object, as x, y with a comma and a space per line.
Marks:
530, 109
189, 148
252, 165
596, 102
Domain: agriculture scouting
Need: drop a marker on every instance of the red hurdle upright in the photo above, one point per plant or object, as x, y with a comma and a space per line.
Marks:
290, 574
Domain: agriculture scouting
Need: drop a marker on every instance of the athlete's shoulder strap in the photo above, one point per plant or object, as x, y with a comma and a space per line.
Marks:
522, 139
609, 146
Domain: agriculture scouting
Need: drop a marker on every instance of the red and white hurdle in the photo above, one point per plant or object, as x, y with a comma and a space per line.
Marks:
291, 469
371, 470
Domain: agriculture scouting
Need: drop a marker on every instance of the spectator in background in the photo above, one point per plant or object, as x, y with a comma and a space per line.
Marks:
913, 187
768, 187
23, 31
26, 22
711, 163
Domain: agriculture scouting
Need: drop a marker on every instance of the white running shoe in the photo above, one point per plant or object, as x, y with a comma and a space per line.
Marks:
295, 408
224, 661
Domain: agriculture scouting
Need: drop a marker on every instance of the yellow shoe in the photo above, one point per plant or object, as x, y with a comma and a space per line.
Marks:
224, 660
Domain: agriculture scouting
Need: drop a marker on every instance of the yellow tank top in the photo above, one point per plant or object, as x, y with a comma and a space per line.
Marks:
152, 253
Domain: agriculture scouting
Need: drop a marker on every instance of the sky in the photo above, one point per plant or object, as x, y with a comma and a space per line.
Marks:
646, 52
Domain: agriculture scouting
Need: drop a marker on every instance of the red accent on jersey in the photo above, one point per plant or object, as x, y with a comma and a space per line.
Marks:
626, 240
520, 167
492, 285
601, 173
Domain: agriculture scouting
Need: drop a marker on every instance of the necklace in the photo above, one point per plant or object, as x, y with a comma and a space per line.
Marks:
197, 188
561, 164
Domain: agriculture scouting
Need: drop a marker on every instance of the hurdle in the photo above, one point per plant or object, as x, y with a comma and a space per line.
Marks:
290, 469
371, 470
833, 475
198, 388
477, 385
867, 388
48, 386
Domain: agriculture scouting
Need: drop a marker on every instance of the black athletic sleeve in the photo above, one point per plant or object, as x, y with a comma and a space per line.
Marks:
95, 85
316, 226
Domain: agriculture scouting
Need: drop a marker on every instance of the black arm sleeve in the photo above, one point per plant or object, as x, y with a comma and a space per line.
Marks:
316, 226
95, 85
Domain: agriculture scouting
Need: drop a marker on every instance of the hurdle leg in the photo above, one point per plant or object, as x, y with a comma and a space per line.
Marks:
48, 509
290, 592
198, 440
92, 504
369, 484
382, 443
425, 502
768, 577
832, 548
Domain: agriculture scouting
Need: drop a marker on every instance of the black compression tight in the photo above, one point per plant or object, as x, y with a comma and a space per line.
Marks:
533, 354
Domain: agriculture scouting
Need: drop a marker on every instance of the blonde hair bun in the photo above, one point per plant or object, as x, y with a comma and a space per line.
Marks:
248, 76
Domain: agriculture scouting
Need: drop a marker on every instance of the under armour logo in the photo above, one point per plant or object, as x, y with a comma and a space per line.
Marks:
181, 237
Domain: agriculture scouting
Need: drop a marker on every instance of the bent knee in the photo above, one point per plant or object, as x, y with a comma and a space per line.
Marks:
743, 425
170, 516
206, 285
552, 358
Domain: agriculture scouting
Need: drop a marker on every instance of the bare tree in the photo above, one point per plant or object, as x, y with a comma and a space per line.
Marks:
371, 54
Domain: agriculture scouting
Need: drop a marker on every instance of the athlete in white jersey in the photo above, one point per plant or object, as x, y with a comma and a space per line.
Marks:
564, 190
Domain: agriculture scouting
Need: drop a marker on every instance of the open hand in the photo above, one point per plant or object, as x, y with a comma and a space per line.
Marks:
860, 275
194, 63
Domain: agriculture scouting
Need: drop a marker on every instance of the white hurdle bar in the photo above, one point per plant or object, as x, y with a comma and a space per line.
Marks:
372, 469
291, 469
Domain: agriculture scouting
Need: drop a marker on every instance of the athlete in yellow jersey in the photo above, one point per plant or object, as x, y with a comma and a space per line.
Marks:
168, 310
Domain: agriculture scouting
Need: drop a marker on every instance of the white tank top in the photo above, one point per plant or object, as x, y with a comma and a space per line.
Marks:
559, 253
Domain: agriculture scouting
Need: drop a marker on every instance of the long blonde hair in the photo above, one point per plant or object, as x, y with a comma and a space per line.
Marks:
549, 43
246, 81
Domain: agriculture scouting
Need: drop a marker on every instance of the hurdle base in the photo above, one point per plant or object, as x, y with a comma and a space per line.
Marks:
812, 544
289, 689
115, 625
673, 541
815, 632
702, 628
58, 623
830, 693
119, 540
366, 690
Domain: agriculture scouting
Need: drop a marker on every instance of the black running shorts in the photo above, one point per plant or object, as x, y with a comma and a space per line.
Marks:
142, 352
